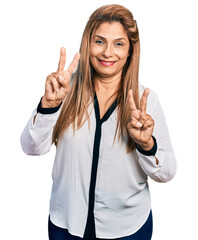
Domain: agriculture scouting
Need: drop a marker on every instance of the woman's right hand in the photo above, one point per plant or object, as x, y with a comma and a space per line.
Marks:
57, 83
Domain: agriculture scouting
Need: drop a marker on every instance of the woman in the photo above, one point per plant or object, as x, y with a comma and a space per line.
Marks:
110, 135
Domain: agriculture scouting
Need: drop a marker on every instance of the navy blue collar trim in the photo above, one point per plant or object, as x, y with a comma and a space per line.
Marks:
108, 112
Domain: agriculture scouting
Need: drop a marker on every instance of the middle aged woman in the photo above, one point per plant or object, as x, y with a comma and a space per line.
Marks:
110, 133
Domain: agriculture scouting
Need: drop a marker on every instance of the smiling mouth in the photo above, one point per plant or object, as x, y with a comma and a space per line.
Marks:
106, 63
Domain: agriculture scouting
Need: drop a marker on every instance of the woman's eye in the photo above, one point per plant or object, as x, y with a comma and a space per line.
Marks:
99, 41
119, 44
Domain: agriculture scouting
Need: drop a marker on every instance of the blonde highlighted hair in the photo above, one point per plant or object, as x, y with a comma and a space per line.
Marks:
75, 105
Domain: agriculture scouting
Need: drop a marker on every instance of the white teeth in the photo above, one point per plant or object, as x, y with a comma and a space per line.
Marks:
107, 63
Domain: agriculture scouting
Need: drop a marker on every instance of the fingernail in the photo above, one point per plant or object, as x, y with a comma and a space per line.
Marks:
61, 78
138, 124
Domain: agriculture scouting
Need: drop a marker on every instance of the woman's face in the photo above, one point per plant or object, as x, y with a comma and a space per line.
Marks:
109, 49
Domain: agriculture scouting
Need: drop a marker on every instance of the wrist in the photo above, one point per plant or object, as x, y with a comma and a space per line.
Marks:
151, 150
49, 104
148, 145
47, 109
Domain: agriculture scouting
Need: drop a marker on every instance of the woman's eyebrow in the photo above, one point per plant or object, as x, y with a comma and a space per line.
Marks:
105, 38
99, 36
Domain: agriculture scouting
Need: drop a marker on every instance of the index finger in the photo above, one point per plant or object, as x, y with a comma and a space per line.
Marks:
143, 101
131, 100
62, 60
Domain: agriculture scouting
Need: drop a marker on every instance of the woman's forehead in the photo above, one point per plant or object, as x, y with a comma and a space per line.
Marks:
110, 29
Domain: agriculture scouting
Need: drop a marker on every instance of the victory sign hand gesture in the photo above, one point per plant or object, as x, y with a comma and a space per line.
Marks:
141, 124
57, 83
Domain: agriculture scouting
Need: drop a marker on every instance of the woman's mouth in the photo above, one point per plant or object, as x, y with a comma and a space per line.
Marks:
106, 63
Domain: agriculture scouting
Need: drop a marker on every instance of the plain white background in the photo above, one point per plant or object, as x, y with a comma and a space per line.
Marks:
32, 33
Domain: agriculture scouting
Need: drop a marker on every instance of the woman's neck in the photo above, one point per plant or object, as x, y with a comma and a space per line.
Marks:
104, 85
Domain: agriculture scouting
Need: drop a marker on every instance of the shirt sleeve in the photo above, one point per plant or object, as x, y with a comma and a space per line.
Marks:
165, 170
36, 138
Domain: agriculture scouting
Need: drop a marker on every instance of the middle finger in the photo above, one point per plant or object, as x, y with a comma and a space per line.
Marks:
73, 64
143, 101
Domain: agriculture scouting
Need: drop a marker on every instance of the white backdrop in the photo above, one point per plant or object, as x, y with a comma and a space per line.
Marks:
32, 33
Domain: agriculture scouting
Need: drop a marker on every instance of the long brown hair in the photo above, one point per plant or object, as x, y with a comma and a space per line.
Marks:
75, 105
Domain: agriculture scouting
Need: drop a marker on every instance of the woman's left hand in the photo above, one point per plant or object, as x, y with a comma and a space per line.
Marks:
141, 124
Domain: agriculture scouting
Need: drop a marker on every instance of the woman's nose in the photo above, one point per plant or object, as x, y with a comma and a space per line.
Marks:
108, 51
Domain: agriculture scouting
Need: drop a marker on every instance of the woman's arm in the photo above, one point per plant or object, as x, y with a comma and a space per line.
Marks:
36, 138
161, 167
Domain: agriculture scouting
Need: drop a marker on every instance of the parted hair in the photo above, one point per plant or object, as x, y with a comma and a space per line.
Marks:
74, 109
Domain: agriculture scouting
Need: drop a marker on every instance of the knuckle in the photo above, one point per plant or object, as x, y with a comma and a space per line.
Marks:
133, 122
55, 74
136, 114
65, 92
145, 116
145, 125
49, 76
61, 78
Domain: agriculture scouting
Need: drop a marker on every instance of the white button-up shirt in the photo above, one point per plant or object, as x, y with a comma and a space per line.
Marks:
100, 190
